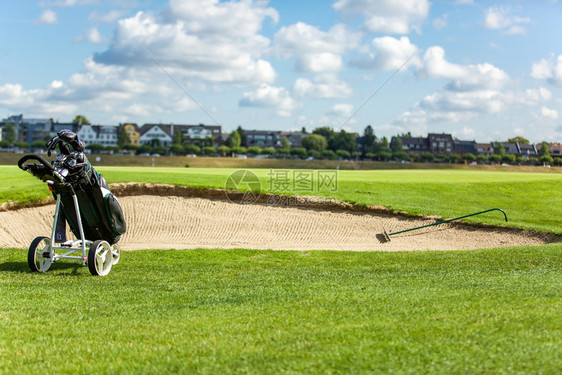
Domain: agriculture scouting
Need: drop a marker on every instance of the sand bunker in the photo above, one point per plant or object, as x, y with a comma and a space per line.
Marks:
185, 221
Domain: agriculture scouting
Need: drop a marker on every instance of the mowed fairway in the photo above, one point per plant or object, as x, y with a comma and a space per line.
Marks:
250, 311
240, 311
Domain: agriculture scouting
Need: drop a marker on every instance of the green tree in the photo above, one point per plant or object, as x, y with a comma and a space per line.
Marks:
382, 150
243, 136
299, 152
546, 160
368, 140
123, 138
508, 159
557, 161
342, 141
268, 151
315, 142
9, 134
518, 139
96, 148
533, 161
209, 150
81, 120
499, 149
223, 150
233, 140
39, 144
144, 149
239, 150
176, 149
325, 131
454, 158
285, 144
344, 154
427, 157
314, 154
4, 144
329, 154
177, 138
396, 145
469, 157
482, 159
543, 150
495, 158
192, 149
21, 145
254, 150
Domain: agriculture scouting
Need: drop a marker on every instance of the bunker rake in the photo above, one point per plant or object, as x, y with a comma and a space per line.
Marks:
386, 235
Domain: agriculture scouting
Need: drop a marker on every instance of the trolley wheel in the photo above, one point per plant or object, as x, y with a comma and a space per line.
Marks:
40, 254
116, 252
100, 258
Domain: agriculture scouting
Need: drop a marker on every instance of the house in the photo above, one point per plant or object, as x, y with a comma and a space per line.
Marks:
527, 151
464, 147
133, 133
87, 134
263, 138
555, 150
154, 135
98, 134
294, 138
107, 135
201, 135
440, 143
415, 145
485, 149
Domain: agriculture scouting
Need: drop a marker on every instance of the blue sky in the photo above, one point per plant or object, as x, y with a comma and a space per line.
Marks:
483, 70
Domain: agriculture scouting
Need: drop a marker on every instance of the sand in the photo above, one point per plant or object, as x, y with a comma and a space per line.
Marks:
162, 217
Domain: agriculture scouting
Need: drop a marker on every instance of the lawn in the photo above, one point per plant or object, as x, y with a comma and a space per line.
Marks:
243, 311
531, 200
246, 311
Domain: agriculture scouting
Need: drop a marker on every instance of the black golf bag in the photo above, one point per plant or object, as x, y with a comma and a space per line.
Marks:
69, 175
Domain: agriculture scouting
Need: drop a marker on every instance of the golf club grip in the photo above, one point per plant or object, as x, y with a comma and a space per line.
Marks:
40, 159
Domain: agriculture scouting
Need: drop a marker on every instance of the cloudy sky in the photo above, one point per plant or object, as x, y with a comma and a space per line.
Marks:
484, 70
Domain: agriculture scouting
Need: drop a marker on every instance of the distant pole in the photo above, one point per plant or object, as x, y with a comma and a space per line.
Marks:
153, 162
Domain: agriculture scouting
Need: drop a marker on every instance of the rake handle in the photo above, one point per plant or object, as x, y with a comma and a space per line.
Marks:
448, 220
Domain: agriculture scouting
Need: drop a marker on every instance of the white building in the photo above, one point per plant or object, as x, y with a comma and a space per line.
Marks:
155, 133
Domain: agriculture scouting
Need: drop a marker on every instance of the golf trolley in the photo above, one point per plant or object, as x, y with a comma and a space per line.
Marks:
84, 201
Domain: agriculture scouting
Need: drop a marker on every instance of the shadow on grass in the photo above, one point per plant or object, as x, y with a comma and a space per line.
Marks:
22, 267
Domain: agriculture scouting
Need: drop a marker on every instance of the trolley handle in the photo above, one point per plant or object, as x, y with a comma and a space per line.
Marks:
38, 158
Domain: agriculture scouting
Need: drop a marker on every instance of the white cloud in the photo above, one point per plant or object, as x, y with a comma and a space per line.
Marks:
93, 36
47, 17
440, 23
501, 19
341, 110
109, 17
271, 97
464, 77
387, 16
549, 69
316, 51
324, 86
389, 54
69, 3
549, 113
206, 40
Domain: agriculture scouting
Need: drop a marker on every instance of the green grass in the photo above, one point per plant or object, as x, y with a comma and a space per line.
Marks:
242, 311
531, 200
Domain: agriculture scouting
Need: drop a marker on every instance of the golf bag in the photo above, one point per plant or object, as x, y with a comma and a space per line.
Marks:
69, 175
